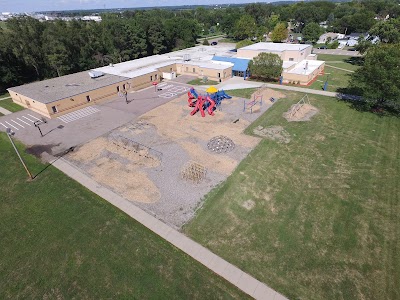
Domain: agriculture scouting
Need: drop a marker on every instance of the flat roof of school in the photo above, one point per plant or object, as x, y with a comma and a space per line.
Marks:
276, 47
50, 90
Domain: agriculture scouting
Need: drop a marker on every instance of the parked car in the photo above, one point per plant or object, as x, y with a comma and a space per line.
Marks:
214, 43
322, 47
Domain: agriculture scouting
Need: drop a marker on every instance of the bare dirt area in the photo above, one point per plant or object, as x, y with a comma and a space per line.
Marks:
276, 133
299, 113
144, 160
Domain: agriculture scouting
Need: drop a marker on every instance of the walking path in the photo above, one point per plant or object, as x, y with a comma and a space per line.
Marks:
234, 275
339, 68
5, 98
239, 83
5, 111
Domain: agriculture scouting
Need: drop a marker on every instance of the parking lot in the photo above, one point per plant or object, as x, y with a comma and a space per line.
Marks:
75, 128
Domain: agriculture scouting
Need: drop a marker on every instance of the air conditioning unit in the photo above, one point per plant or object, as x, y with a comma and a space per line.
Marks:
95, 74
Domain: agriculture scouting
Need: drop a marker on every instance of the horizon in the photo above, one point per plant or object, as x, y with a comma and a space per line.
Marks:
23, 6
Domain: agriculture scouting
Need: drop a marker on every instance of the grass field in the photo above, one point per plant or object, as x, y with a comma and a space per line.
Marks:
60, 241
242, 93
200, 81
316, 218
10, 105
337, 79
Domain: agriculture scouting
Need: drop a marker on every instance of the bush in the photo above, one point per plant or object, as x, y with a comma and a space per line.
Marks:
206, 43
334, 45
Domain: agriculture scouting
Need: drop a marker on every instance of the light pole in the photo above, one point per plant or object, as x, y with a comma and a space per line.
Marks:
9, 134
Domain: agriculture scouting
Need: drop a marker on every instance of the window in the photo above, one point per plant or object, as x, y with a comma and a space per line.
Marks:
155, 76
194, 70
118, 88
170, 69
291, 59
219, 75
88, 99
151, 78
54, 109
124, 86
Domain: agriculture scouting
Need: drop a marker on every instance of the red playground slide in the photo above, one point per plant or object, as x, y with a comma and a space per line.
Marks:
211, 106
199, 106
190, 100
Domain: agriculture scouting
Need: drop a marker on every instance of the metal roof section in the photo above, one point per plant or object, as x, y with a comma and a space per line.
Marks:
276, 47
239, 64
50, 90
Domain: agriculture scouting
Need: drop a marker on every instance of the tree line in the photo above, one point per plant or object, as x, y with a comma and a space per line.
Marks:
31, 50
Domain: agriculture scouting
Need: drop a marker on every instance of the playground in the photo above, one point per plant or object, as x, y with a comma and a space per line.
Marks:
169, 158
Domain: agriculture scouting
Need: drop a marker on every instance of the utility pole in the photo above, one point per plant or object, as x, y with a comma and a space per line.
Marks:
9, 134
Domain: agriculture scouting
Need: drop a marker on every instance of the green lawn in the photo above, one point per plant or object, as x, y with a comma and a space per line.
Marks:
242, 93
10, 105
325, 222
337, 79
199, 81
4, 95
61, 241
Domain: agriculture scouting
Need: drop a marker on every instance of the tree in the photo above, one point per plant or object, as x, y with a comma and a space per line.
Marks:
243, 43
379, 78
266, 65
245, 28
387, 31
312, 31
279, 33
363, 45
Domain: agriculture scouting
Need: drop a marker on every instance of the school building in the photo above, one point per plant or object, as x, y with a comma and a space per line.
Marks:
57, 96
300, 66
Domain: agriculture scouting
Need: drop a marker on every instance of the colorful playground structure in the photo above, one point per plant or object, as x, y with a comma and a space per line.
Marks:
208, 102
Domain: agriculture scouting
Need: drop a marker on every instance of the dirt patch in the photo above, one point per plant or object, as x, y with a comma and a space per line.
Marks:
267, 94
118, 168
276, 133
299, 113
249, 204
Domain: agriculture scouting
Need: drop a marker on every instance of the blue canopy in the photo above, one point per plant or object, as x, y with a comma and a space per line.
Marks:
240, 64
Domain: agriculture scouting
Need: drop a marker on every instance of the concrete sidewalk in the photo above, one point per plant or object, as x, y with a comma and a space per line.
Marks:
234, 275
239, 83
5, 111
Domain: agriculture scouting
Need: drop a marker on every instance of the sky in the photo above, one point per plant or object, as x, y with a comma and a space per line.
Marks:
47, 5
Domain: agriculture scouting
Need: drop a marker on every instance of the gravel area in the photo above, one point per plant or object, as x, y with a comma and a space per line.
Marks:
167, 138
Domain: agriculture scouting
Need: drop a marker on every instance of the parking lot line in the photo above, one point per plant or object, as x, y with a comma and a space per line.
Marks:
33, 117
24, 122
3, 125
17, 123
11, 125
79, 114
27, 118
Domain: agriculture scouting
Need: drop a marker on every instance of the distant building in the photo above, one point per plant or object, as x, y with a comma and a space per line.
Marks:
300, 66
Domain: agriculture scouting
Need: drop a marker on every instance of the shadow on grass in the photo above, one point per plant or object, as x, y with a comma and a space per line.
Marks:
356, 61
353, 96
60, 155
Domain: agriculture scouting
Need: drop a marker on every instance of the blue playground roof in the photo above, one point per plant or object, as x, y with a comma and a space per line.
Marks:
240, 64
